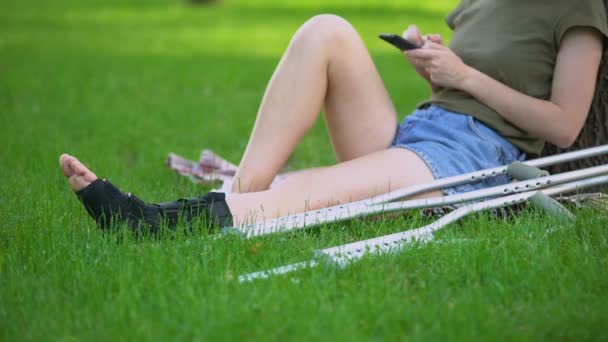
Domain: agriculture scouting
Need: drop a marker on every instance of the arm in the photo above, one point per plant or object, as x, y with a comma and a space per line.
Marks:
557, 120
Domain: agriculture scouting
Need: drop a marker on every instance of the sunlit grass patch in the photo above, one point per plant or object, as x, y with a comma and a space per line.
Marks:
123, 83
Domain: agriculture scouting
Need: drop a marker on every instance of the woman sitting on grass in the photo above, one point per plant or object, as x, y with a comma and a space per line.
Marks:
516, 74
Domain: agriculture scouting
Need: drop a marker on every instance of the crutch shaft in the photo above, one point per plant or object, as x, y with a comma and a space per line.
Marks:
352, 210
342, 255
277, 271
294, 221
483, 174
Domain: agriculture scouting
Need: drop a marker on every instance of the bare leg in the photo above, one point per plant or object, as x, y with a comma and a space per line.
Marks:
356, 179
326, 64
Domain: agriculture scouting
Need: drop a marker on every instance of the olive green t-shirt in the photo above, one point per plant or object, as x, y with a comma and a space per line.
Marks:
516, 43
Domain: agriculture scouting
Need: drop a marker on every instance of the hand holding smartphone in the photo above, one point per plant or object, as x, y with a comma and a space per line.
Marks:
398, 41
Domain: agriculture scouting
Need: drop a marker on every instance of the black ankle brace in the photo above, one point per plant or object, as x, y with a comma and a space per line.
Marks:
211, 207
109, 206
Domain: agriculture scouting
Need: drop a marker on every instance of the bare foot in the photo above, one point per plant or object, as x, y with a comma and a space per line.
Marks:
77, 174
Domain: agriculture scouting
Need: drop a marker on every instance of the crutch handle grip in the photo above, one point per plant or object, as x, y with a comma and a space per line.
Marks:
521, 171
552, 207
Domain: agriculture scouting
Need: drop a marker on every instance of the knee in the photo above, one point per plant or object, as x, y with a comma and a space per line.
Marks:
326, 30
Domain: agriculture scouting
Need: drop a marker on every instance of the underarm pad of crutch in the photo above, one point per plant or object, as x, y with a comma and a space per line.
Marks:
521, 171
552, 207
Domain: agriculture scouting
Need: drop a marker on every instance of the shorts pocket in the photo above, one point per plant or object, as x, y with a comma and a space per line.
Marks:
482, 133
403, 131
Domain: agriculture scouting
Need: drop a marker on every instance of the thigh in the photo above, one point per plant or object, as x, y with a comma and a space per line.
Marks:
364, 177
360, 115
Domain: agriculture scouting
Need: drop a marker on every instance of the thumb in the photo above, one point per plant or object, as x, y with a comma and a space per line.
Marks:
413, 35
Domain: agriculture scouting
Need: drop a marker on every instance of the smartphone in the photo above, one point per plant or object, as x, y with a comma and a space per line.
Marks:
398, 41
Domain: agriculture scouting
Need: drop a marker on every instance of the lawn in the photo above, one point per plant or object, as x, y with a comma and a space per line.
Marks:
123, 83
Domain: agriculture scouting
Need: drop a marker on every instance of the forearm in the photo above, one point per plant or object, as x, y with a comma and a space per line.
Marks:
540, 118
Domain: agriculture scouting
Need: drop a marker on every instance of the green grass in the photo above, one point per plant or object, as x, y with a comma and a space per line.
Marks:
122, 83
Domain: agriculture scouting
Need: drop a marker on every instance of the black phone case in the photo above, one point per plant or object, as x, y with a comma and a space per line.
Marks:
398, 41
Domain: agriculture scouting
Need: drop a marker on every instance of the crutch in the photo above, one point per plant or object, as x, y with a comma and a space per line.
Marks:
364, 208
344, 254
359, 208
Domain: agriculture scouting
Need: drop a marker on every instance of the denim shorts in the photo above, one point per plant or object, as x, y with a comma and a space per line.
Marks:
452, 144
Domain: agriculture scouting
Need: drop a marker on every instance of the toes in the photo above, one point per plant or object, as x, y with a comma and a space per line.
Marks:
64, 162
78, 167
72, 166
78, 175
89, 176
81, 170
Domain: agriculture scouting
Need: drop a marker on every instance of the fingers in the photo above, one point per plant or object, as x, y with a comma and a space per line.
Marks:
435, 38
413, 32
421, 54
430, 45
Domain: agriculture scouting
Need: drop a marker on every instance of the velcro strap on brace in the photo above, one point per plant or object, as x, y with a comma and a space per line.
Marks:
211, 207
220, 213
